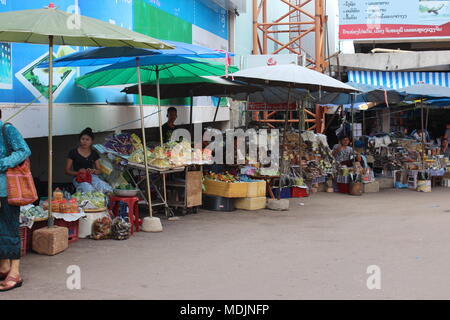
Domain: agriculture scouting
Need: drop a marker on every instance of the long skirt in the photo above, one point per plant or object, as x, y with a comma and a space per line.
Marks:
9, 231
96, 185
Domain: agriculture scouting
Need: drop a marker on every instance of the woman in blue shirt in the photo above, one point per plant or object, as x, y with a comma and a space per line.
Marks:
9, 215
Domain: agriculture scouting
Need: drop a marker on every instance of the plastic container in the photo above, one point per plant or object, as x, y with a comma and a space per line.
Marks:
125, 193
216, 203
86, 223
298, 192
285, 193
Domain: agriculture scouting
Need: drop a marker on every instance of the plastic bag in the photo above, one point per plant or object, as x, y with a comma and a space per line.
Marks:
120, 229
106, 167
101, 229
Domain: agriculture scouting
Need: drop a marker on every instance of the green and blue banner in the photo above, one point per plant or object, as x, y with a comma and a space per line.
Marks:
191, 21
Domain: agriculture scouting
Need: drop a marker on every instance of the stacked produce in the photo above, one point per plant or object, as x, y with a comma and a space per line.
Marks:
228, 177
171, 154
91, 200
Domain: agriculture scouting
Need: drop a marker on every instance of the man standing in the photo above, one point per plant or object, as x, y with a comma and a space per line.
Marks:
169, 127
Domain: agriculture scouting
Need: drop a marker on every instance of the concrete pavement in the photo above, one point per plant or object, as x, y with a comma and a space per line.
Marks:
320, 250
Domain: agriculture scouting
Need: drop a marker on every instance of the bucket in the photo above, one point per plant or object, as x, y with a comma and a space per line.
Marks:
356, 189
85, 227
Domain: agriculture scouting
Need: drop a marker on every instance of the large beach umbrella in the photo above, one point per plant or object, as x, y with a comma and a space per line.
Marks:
51, 26
171, 68
106, 56
197, 87
134, 56
292, 76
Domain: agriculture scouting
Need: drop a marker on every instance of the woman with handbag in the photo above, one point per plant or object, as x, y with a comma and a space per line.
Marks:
83, 163
14, 151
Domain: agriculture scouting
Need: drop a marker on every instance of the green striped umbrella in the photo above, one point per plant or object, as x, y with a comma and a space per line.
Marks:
168, 74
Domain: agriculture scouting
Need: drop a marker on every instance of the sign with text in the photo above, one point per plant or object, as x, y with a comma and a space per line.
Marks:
388, 19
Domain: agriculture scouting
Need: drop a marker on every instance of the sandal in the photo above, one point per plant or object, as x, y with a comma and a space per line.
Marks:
3, 275
17, 283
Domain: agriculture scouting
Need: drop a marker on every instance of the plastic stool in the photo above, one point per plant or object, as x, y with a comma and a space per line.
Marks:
133, 210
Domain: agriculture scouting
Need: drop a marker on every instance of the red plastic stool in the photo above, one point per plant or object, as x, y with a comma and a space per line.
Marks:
133, 210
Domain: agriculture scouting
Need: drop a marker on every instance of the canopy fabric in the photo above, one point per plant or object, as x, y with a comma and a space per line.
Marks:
199, 86
398, 80
272, 95
371, 95
35, 26
426, 90
125, 73
106, 56
294, 76
99, 57
193, 51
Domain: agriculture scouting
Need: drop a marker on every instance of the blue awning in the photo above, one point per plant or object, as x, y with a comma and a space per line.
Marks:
399, 80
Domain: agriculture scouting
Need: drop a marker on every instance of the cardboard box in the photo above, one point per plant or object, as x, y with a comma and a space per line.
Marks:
226, 190
372, 187
386, 182
257, 203
50, 241
235, 190
256, 189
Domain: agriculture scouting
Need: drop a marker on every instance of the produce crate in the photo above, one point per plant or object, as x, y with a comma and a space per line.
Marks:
285, 193
73, 227
24, 235
299, 192
256, 189
255, 203
224, 189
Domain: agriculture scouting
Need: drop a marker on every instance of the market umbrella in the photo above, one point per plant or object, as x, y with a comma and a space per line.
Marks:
292, 76
198, 86
50, 26
425, 91
151, 68
106, 56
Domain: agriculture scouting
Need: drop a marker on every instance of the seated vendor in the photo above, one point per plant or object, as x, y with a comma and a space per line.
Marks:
169, 127
343, 153
82, 160
420, 135
445, 149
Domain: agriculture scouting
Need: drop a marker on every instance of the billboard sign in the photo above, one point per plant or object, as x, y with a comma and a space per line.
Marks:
389, 19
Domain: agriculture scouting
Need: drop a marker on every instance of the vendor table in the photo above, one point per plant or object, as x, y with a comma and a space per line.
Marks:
269, 183
158, 175
185, 193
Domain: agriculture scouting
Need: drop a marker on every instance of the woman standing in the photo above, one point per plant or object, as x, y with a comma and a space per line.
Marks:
84, 159
9, 215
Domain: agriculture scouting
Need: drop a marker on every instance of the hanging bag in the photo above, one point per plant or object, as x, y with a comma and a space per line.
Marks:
20, 183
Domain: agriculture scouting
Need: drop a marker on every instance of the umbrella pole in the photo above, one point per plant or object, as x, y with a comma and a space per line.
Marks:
300, 137
191, 130
423, 134
284, 141
353, 123
217, 109
144, 139
50, 133
158, 92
